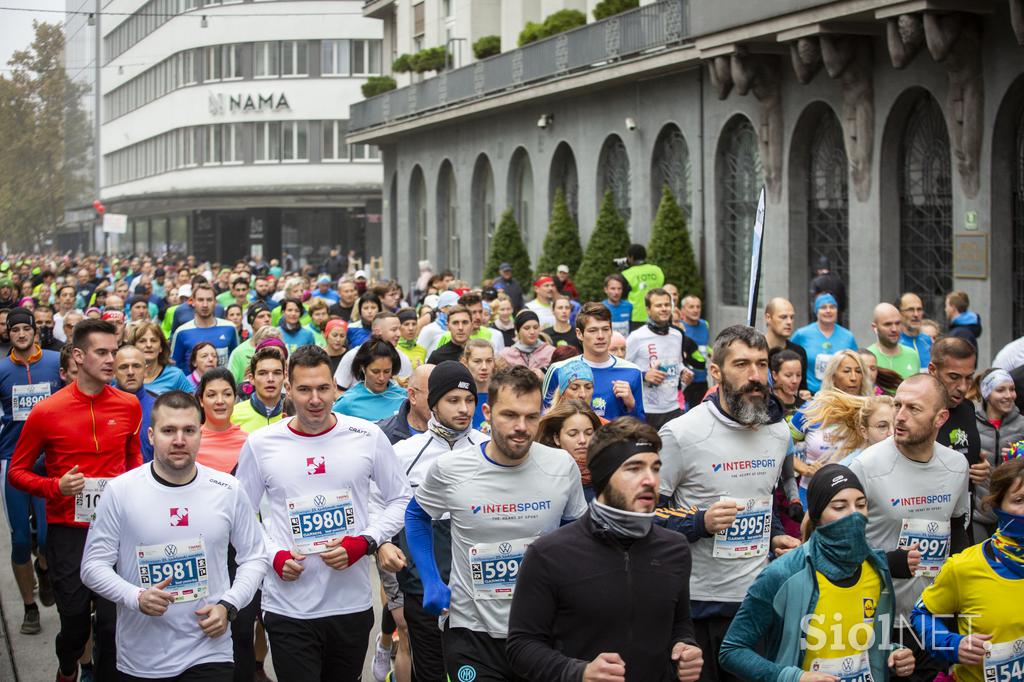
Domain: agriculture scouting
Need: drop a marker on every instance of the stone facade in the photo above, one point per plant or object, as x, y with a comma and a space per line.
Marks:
890, 138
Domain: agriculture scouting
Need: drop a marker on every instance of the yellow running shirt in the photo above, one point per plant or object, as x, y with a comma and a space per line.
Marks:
848, 612
967, 585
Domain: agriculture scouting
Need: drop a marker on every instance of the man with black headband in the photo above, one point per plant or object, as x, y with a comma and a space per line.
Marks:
661, 350
557, 628
500, 496
451, 397
721, 461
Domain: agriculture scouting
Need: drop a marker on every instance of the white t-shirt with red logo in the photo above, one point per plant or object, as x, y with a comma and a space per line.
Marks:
318, 489
146, 531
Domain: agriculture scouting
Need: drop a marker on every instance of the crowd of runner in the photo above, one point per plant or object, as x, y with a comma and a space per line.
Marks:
204, 463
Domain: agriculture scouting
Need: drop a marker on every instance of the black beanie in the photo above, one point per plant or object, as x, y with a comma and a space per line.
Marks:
605, 462
253, 310
448, 376
20, 316
525, 316
406, 314
827, 482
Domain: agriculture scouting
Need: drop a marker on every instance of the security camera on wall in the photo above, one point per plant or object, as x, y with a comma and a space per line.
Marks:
630, 123
545, 120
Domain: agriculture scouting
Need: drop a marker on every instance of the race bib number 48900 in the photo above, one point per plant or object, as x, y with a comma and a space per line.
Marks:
750, 533
495, 567
87, 500
317, 519
183, 562
25, 396
932, 538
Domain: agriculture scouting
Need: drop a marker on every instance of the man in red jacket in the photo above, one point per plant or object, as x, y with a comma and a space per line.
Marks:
89, 432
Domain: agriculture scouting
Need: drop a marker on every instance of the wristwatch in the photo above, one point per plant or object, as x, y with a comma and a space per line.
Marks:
232, 611
371, 544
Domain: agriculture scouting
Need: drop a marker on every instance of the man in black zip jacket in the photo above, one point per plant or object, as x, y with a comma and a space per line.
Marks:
608, 596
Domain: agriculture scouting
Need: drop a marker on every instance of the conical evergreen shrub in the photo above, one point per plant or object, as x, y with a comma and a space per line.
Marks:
608, 242
670, 247
507, 247
562, 242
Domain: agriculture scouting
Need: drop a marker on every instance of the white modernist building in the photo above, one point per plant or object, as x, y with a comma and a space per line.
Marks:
222, 127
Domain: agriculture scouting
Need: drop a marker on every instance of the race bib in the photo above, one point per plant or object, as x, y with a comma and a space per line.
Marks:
495, 567
1004, 662
25, 396
932, 538
183, 562
750, 533
621, 327
87, 500
222, 357
846, 669
670, 370
820, 365
317, 519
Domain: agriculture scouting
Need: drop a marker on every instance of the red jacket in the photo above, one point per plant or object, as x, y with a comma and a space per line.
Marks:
98, 433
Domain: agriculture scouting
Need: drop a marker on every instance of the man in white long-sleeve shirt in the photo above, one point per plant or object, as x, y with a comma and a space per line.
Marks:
316, 470
158, 549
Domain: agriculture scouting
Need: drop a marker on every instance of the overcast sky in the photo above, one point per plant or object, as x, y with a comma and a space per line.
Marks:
16, 27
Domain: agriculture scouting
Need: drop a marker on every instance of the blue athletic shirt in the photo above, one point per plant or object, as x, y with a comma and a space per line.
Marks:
621, 315
222, 335
821, 348
605, 403
45, 370
922, 343
701, 335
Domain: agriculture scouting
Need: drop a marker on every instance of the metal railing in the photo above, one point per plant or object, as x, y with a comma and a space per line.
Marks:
644, 29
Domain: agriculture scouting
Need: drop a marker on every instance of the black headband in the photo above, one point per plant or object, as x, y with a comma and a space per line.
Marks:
604, 463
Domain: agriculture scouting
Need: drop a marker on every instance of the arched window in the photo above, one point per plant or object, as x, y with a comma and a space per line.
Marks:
564, 177
827, 204
926, 206
521, 192
670, 166
739, 182
613, 174
484, 219
1018, 232
447, 214
418, 214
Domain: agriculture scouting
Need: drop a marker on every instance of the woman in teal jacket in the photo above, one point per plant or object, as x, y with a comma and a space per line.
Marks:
375, 395
822, 612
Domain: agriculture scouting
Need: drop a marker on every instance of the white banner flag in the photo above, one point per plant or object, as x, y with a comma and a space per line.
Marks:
115, 223
755, 260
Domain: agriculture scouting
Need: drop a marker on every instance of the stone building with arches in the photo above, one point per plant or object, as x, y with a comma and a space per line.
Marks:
889, 135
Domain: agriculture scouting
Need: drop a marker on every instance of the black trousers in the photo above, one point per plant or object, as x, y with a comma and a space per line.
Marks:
64, 548
659, 420
330, 649
206, 672
243, 630
425, 641
476, 657
709, 633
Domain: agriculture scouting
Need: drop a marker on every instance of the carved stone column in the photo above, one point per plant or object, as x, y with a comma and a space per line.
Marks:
954, 40
761, 75
905, 38
849, 58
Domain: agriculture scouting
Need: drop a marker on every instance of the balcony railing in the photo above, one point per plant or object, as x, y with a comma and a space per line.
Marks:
638, 31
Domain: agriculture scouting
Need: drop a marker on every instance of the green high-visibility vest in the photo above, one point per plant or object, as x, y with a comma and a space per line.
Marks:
641, 279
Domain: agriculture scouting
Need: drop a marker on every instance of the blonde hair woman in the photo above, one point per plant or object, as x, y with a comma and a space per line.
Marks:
855, 422
845, 373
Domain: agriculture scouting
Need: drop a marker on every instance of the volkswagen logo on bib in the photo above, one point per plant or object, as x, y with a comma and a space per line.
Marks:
933, 527
505, 548
847, 665
319, 500
170, 550
1018, 646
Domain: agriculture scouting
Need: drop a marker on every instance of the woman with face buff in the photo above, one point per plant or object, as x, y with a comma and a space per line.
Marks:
984, 586
821, 612
999, 424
